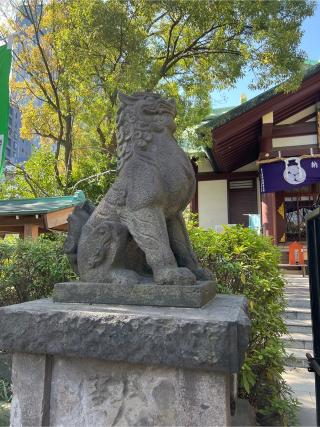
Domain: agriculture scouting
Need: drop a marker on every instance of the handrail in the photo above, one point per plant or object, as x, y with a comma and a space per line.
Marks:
315, 213
313, 240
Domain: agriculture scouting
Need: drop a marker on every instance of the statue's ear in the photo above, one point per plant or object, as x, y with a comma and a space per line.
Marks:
126, 99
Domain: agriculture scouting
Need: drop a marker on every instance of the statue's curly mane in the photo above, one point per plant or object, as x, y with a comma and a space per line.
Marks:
137, 125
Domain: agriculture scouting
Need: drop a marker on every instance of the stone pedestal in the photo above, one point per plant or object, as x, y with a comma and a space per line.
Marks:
112, 365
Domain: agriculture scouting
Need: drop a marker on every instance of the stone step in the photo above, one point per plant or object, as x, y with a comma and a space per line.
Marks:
293, 271
299, 359
302, 302
299, 322
298, 340
291, 293
298, 290
296, 277
297, 295
299, 326
297, 313
297, 287
296, 281
297, 317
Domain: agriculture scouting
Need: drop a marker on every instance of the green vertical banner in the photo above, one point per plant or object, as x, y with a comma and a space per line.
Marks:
5, 65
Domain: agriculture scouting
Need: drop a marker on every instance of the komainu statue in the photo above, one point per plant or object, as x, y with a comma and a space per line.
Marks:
138, 230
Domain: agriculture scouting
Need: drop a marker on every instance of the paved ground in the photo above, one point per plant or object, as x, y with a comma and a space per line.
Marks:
302, 383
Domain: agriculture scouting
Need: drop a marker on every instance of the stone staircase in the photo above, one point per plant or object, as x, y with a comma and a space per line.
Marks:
298, 320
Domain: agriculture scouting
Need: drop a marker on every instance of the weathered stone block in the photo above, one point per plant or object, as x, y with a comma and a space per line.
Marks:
99, 393
214, 337
122, 365
193, 296
31, 378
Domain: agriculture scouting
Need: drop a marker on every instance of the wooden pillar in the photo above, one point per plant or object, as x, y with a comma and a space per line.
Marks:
194, 205
318, 122
31, 230
266, 135
194, 201
280, 218
268, 215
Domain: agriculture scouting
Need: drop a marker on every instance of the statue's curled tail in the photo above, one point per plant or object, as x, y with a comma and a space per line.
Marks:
76, 221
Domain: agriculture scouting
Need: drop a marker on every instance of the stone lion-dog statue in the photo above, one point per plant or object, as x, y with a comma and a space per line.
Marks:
138, 230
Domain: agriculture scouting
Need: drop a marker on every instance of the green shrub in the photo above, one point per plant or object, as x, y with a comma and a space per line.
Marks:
245, 263
5, 391
30, 268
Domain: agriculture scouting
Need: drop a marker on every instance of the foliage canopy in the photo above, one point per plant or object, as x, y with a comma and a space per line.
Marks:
73, 56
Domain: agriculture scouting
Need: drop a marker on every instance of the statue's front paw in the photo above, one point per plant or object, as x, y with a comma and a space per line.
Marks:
175, 276
203, 274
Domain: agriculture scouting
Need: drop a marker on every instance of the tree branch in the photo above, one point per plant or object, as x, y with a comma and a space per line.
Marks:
30, 181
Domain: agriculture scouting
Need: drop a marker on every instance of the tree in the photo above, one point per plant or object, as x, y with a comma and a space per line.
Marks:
73, 56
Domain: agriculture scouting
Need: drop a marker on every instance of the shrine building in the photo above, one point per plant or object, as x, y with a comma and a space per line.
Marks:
30, 217
263, 158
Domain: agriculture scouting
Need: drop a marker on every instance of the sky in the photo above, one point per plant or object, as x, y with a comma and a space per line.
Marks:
310, 43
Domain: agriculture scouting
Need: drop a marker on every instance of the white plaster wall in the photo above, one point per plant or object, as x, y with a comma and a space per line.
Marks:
213, 203
294, 140
204, 165
298, 116
250, 167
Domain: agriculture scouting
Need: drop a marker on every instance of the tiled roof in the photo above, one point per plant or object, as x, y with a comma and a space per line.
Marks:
216, 121
41, 205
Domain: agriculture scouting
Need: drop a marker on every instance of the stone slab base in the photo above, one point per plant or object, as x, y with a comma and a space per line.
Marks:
78, 364
140, 294
214, 337
90, 392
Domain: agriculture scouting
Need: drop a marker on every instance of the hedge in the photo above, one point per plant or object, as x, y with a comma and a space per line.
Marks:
246, 263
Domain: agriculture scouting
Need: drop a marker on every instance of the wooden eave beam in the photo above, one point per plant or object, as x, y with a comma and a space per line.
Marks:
306, 118
212, 160
293, 152
57, 218
266, 133
296, 129
318, 122
21, 220
62, 227
275, 103
11, 229
294, 108
213, 176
